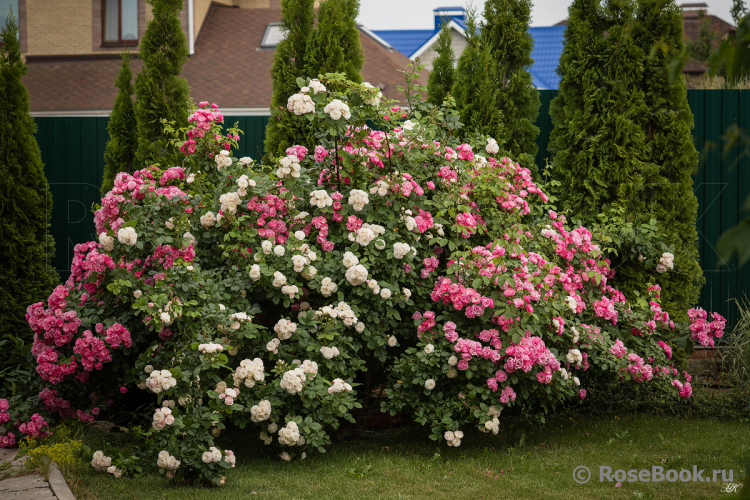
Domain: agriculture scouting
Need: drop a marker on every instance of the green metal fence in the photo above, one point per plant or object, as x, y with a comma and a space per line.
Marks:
73, 154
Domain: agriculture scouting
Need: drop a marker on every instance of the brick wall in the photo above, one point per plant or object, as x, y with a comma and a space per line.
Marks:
54, 27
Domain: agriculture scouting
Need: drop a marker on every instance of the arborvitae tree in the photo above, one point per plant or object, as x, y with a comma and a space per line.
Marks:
289, 63
475, 85
27, 248
119, 153
506, 33
335, 46
160, 93
600, 152
708, 38
668, 123
440, 82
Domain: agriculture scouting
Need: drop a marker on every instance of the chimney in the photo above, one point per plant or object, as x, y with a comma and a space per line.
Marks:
445, 14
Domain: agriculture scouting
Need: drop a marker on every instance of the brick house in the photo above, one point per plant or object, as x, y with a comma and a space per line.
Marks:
72, 50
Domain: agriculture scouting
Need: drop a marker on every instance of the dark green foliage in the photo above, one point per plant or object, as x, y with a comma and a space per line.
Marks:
475, 87
506, 33
335, 46
160, 93
441, 77
668, 124
25, 207
121, 146
288, 64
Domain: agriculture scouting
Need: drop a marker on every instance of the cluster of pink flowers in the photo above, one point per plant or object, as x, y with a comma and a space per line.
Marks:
111, 212
35, 427
428, 323
461, 297
430, 265
321, 154
407, 186
508, 395
531, 351
172, 173
270, 210
667, 349
468, 349
424, 221
298, 151
618, 349
704, 331
640, 371
685, 389
116, 335
54, 404
201, 121
88, 262
467, 222
166, 255
93, 351
465, 152
605, 308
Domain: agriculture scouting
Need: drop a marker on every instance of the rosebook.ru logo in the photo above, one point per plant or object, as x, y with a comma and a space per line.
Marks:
655, 474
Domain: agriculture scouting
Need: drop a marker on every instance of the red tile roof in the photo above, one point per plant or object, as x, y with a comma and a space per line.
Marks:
228, 68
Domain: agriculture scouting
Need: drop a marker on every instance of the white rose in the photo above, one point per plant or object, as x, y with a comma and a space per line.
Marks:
429, 384
429, 348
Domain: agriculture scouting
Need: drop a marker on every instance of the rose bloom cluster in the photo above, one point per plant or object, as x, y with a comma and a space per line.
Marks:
197, 269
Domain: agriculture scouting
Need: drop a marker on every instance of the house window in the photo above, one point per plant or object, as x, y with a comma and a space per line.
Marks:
272, 36
5, 9
120, 20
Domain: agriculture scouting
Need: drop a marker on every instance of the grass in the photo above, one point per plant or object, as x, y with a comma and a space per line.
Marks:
522, 462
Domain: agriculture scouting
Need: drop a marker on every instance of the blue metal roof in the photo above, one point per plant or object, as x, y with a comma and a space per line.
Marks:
548, 45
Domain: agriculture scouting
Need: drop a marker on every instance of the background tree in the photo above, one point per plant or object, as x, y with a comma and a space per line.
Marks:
708, 38
739, 11
474, 87
668, 123
335, 46
160, 92
26, 253
121, 146
441, 76
601, 155
297, 17
506, 33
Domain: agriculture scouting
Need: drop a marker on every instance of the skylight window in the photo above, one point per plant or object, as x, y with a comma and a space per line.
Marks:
272, 36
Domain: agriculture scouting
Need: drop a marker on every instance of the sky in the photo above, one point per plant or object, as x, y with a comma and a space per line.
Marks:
417, 14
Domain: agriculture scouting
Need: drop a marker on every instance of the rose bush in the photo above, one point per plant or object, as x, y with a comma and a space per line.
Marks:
277, 298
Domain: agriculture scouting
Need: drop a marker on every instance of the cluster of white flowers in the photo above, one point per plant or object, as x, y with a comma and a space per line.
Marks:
101, 462
167, 461
127, 236
328, 287
349, 260
261, 411
289, 435
409, 221
289, 165
162, 418
359, 327
385, 293
409, 125
406, 292
400, 250
243, 183
267, 247
190, 237
356, 275
300, 104
190, 178
273, 345
238, 318
429, 348
373, 285
279, 251
107, 242
210, 348
666, 263
492, 147
316, 86
284, 329
208, 220
299, 262
380, 187
279, 279
223, 159
212, 455
372, 101
292, 380
342, 311
230, 458
576, 335
249, 371
329, 352
339, 385
429, 384
227, 393
229, 202
310, 368
160, 381
491, 425
266, 438
392, 341
363, 236
320, 199
453, 438
575, 357
358, 199
336, 109
571, 303
114, 471
290, 290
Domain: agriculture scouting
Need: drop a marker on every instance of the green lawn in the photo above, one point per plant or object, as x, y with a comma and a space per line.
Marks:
404, 464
